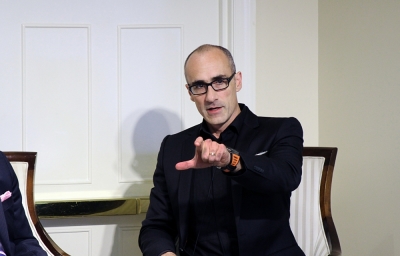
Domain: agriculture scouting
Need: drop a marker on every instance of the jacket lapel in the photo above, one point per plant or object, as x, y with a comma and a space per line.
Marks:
243, 143
185, 182
247, 133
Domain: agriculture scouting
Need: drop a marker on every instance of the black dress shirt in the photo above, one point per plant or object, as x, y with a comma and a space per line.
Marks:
212, 228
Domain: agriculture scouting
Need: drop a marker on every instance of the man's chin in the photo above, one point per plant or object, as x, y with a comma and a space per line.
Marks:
215, 121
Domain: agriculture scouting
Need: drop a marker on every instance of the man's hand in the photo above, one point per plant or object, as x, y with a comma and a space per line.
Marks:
208, 153
168, 254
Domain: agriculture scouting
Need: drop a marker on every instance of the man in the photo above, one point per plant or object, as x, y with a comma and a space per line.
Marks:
16, 237
223, 187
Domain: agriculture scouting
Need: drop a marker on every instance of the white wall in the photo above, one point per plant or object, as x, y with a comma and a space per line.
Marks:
359, 83
94, 87
353, 49
287, 62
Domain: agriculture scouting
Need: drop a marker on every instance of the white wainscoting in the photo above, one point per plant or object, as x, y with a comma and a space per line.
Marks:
94, 236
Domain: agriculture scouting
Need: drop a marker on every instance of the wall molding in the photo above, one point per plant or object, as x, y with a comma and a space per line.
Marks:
25, 27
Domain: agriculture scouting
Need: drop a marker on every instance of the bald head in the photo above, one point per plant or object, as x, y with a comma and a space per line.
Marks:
209, 47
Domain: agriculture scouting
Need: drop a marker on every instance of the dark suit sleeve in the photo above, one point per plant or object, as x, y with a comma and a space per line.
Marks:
279, 169
158, 232
22, 241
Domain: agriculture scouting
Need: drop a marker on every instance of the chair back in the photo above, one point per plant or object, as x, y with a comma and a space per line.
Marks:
310, 209
23, 164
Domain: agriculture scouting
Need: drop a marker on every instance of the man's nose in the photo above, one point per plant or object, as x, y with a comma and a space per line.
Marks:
211, 94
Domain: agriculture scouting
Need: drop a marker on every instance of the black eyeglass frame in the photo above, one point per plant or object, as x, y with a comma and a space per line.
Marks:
228, 80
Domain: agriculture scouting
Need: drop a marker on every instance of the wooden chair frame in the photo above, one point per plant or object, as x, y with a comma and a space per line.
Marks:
30, 158
329, 153
325, 195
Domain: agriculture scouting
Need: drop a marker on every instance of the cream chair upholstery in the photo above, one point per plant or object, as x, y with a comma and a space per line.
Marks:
23, 164
310, 210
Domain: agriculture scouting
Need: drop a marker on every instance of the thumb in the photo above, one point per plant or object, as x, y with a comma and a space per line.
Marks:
181, 166
191, 163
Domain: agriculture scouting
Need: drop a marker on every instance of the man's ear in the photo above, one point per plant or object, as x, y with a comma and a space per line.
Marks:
190, 95
238, 81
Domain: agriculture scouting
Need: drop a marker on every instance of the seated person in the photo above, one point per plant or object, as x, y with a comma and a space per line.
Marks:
223, 187
16, 238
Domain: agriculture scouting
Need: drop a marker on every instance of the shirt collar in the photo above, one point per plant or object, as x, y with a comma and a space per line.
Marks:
235, 126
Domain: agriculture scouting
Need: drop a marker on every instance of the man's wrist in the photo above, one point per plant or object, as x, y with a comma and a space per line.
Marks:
234, 162
168, 254
238, 167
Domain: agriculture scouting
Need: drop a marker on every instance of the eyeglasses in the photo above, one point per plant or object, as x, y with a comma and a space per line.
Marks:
219, 84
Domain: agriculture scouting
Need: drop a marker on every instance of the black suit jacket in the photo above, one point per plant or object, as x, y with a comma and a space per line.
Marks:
271, 151
15, 232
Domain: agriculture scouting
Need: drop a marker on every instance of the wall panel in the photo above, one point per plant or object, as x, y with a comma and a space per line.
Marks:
93, 236
81, 237
150, 57
126, 235
56, 94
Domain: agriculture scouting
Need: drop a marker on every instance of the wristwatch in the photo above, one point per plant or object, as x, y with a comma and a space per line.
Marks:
235, 158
